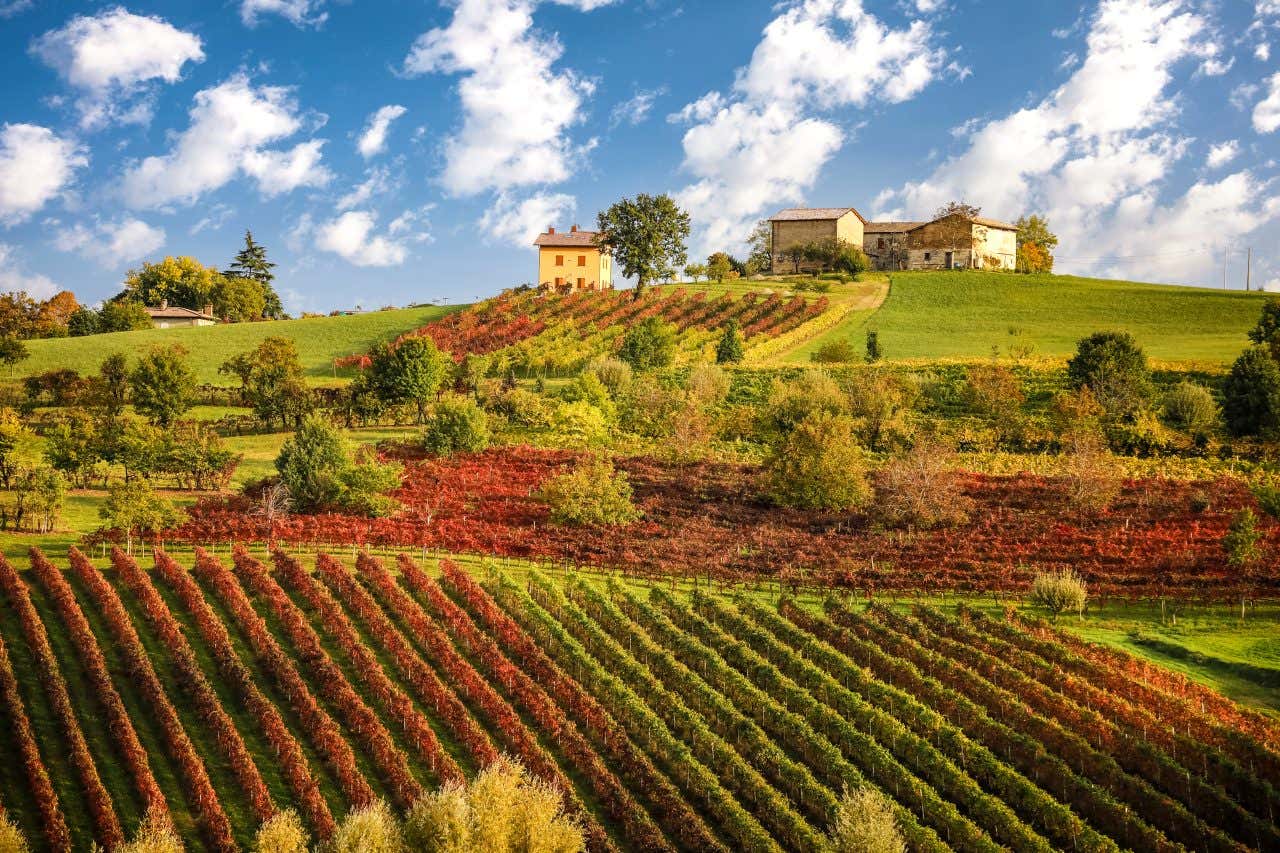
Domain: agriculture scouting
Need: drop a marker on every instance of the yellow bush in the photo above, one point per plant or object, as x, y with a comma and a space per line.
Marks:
372, 829
283, 833
11, 840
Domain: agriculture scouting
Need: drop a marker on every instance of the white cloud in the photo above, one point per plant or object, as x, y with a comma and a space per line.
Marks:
766, 144
13, 7
1266, 113
518, 109
517, 221
111, 244
113, 58
374, 139
1096, 155
1222, 154
635, 109
15, 279
378, 182
351, 236
301, 13
35, 165
230, 125
1262, 51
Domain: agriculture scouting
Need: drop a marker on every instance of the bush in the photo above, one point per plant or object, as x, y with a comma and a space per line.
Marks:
649, 344
835, 352
874, 352
729, 347
1190, 408
1060, 592
155, 835
1251, 395
614, 373
317, 467
865, 823
456, 426
789, 403
707, 385
1114, 368
1268, 497
591, 493
11, 840
1092, 480
588, 388
819, 465
921, 489
283, 832
371, 829
582, 424
1242, 543
523, 408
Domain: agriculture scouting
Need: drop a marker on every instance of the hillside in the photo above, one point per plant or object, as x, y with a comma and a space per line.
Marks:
320, 340
965, 314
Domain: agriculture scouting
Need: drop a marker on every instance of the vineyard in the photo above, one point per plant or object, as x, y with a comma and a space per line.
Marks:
1152, 543
216, 693
532, 334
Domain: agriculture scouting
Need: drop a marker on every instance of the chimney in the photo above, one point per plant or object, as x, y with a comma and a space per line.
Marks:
208, 309
551, 230
164, 303
573, 229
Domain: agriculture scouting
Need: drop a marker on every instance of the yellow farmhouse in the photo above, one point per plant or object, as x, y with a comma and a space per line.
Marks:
573, 260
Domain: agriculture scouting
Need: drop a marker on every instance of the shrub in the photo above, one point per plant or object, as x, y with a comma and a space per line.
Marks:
582, 424
591, 493
371, 829
283, 832
11, 840
1092, 481
523, 408
865, 823
729, 347
456, 426
649, 344
1191, 408
1251, 394
155, 835
707, 385
835, 352
789, 403
614, 373
1060, 592
1242, 542
317, 467
650, 407
880, 403
921, 489
819, 465
1268, 497
1114, 368
874, 352
588, 388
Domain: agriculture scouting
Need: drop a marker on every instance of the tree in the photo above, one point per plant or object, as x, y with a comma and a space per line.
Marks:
503, 810
968, 211
13, 434
283, 832
791, 402
38, 494
865, 823
591, 493
55, 313
251, 263
238, 299
457, 426
12, 351
1242, 543
1267, 331
1114, 368
1060, 592
134, 508
718, 266
1035, 244
410, 372
1191, 408
182, 281
19, 315
819, 465
838, 351
729, 347
922, 489
646, 236
110, 388
874, 352
369, 829
318, 468
272, 381
760, 242
162, 385
1251, 395
83, 322
72, 447
125, 315
649, 344
695, 271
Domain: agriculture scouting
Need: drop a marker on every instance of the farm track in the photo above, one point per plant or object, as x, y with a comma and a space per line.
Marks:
219, 692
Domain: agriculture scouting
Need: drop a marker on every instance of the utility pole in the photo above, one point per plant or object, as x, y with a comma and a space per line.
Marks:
1224, 270
1248, 268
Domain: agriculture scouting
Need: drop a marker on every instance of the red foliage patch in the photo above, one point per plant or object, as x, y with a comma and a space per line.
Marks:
705, 518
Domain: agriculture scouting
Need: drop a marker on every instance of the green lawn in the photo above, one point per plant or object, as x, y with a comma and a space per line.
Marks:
320, 340
964, 314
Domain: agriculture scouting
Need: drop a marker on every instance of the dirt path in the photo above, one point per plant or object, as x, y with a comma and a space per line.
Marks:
855, 309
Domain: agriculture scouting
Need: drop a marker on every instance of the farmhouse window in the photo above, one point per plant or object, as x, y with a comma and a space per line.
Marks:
559, 260
927, 256
581, 283
559, 281
582, 260
880, 243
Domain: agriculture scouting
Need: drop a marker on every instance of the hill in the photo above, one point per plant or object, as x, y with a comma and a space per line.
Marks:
320, 340
965, 314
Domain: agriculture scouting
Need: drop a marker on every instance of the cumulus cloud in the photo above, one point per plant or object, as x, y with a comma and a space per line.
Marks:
1266, 113
517, 221
230, 125
518, 109
352, 237
15, 279
13, 7
377, 183
1096, 155
113, 59
35, 165
111, 244
766, 142
374, 139
635, 109
1222, 154
301, 13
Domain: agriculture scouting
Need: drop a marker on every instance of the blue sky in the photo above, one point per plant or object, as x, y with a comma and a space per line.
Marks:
408, 150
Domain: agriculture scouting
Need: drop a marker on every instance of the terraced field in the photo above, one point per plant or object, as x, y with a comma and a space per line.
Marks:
221, 691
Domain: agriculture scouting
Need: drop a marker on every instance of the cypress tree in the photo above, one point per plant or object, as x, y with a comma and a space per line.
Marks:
251, 262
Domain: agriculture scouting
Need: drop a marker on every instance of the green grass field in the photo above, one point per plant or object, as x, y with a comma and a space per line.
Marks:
965, 314
320, 340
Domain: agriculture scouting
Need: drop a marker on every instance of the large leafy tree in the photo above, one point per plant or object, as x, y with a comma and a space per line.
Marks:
318, 468
646, 236
1114, 368
182, 281
126, 315
649, 344
163, 386
1035, 244
1251, 395
272, 381
410, 372
760, 242
251, 263
238, 299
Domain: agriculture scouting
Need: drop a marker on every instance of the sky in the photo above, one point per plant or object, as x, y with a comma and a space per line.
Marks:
408, 151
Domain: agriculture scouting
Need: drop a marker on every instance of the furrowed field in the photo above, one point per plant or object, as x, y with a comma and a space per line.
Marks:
220, 688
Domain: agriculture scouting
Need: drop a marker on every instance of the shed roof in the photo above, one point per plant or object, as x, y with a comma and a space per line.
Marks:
808, 214
569, 239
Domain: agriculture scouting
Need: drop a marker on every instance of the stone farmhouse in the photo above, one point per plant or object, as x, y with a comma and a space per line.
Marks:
573, 260
167, 316
949, 242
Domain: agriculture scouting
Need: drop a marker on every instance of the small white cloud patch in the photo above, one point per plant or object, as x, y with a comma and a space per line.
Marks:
374, 139
35, 165
1222, 154
111, 244
351, 236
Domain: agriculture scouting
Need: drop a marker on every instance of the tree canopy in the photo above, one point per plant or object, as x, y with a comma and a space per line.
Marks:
646, 236
251, 263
